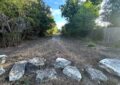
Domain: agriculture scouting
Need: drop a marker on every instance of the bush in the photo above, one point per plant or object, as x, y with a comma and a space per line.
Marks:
91, 44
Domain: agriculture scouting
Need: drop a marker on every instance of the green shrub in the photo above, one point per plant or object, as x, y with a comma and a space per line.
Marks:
91, 44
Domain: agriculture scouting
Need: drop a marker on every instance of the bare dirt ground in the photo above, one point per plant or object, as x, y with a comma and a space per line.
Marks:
51, 48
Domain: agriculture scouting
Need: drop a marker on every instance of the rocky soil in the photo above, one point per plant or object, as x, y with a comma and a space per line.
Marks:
59, 61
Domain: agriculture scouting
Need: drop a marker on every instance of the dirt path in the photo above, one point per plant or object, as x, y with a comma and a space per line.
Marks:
51, 48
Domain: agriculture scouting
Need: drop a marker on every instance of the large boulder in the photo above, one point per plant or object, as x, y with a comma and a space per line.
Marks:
3, 59
96, 74
17, 71
2, 71
111, 65
61, 63
46, 74
72, 72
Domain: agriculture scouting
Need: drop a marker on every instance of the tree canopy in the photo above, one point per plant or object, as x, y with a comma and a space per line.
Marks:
80, 17
34, 11
96, 2
69, 9
29, 17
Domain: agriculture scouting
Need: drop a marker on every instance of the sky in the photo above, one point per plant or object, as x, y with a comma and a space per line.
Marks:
60, 21
55, 4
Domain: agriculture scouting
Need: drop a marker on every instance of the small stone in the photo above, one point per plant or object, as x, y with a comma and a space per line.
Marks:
96, 74
2, 71
61, 63
3, 59
72, 72
111, 65
17, 71
46, 74
37, 61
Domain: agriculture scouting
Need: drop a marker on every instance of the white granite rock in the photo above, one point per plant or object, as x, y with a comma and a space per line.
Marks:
3, 59
96, 74
37, 61
72, 72
111, 65
61, 63
46, 74
17, 71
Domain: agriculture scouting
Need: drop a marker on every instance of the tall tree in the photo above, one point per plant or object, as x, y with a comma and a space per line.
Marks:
82, 22
34, 11
34, 15
96, 2
70, 8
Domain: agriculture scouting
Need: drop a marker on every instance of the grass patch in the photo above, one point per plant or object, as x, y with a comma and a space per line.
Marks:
91, 44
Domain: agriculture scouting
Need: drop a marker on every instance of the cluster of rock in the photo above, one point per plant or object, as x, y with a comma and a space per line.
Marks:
19, 68
68, 70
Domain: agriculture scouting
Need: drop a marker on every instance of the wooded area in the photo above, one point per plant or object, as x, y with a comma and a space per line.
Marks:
23, 19
81, 16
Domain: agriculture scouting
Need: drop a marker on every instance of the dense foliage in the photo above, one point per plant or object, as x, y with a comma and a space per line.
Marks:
24, 17
80, 17
70, 9
96, 2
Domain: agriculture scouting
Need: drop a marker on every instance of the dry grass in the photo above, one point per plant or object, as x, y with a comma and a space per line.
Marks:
72, 49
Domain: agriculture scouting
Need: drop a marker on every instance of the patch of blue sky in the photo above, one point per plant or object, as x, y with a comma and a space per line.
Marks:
55, 5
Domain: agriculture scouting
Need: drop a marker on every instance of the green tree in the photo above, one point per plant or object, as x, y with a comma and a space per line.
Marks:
33, 15
96, 2
34, 11
82, 23
69, 9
